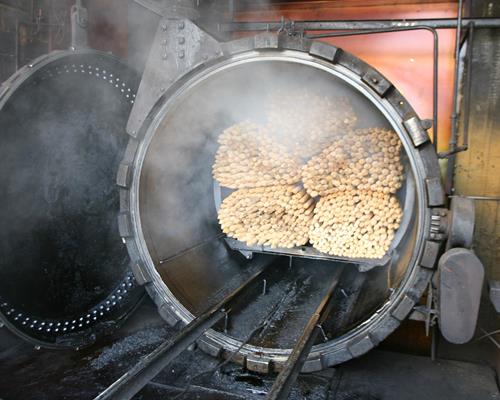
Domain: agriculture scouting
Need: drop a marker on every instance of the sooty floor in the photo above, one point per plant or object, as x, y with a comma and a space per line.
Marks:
29, 374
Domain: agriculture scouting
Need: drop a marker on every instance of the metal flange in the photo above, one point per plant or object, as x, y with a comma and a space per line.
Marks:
429, 191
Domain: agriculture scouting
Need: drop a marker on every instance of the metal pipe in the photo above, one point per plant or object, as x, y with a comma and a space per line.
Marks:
468, 85
331, 25
435, 63
454, 113
129, 384
286, 378
485, 198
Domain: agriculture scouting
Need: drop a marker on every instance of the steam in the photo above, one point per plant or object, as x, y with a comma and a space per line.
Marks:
177, 188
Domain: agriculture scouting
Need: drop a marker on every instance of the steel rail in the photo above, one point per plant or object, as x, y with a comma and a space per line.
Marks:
130, 383
288, 375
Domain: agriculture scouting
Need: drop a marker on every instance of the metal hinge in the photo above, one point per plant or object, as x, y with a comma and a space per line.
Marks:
439, 224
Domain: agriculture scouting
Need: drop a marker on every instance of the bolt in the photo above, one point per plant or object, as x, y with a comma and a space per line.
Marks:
374, 80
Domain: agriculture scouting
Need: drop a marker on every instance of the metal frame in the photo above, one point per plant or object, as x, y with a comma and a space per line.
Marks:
151, 105
363, 264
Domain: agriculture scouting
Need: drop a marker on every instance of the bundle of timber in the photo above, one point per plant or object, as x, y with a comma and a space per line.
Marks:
249, 157
355, 223
275, 216
311, 177
363, 159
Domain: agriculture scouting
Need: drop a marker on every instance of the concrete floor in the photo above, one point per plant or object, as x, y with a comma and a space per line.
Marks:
28, 374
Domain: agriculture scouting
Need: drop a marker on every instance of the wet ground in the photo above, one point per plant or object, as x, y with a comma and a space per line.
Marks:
29, 374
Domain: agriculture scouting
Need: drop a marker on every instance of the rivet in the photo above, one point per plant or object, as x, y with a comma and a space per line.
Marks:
164, 27
181, 25
181, 40
181, 54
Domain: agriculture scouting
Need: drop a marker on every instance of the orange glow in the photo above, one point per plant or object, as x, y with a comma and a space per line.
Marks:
405, 58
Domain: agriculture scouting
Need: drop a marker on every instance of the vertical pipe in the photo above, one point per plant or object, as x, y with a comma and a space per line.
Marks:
468, 84
435, 98
454, 116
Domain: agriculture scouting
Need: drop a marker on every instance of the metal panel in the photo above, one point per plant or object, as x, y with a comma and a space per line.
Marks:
460, 286
178, 47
